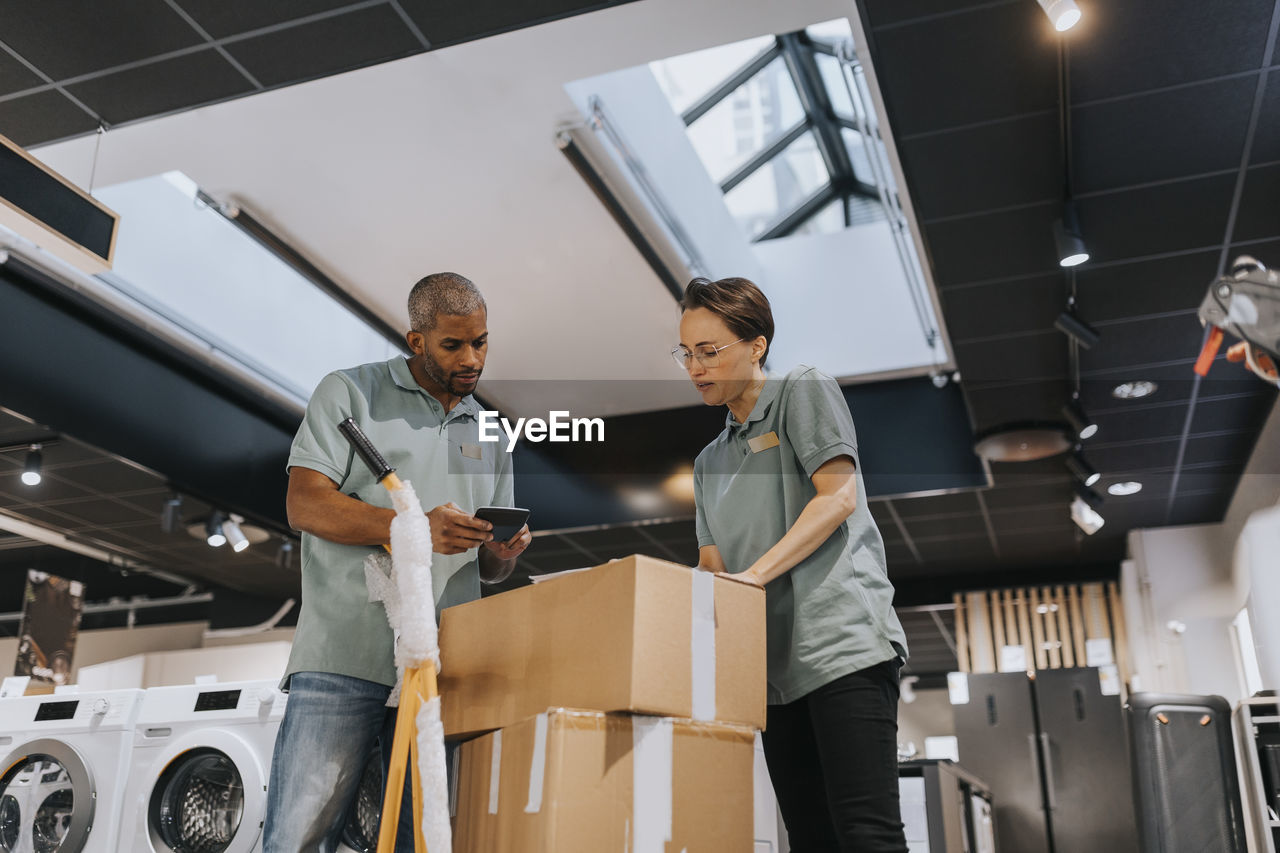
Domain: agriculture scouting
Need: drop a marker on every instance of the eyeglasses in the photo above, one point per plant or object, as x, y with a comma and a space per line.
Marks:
706, 354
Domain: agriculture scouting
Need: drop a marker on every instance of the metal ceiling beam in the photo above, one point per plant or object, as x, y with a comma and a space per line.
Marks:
797, 52
708, 101
765, 154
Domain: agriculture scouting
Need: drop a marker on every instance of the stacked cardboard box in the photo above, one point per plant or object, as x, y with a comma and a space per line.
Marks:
616, 710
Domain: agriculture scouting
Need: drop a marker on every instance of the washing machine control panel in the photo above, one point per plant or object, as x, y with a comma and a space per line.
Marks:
217, 700
57, 710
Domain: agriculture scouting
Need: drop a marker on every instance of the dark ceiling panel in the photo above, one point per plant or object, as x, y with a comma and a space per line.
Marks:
1138, 140
66, 38
1235, 413
909, 60
451, 21
1025, 401
14, 76
960, 502
1025, 304
1144, 455
971, 547
997, 245
1233, 448
1266, 140
1013, 522
1259, 216
1144, 287
1154, 220
895, 12
1133, 46
1200, 509
161, 87
1147, 423
1020, 497
327, 46
42, 117
1146, 341
984, 168
959, 526
1042, 356
221, 18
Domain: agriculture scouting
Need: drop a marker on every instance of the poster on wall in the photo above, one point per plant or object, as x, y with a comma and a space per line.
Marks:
51, 610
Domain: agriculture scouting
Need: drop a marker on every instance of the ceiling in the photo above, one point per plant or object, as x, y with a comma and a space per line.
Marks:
445, 160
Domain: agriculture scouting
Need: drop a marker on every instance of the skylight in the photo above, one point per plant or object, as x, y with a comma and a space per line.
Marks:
182, 259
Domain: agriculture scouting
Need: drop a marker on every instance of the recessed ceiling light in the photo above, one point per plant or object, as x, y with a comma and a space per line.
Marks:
1134, 390
1131, 487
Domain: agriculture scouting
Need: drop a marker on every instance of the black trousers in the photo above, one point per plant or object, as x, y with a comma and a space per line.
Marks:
833, 759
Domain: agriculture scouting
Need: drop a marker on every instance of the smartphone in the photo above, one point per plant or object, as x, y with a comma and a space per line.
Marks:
506, 520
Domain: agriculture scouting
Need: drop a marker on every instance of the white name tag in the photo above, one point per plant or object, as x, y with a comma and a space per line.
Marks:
472, 451
763, 442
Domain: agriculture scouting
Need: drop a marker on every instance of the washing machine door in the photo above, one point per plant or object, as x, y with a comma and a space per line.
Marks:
47, 798
360, 831
208, 798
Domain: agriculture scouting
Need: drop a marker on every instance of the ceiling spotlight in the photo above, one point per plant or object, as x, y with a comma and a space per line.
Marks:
1088, 495
231, 529
1063, 14
31, 470
214, 534
1081, 424
1072, 251
1130, 487
1085, 517
1076, 329
171, 515
1083, 471
1134, 390
284, 556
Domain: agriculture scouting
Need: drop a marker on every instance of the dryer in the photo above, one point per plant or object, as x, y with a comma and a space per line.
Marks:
62, 776
201, 760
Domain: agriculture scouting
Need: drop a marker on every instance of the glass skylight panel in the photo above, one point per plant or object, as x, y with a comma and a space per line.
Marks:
778, 186
859, 156
688, 78
185, 261
833, 80
826, 221
752, 117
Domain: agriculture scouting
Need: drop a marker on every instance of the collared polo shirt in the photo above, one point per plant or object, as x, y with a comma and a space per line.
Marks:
832, 614
440, 454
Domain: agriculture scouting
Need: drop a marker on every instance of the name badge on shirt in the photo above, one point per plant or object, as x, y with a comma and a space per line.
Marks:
472, 451
763, 442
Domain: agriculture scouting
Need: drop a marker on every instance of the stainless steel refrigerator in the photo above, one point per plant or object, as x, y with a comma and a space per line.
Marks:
1053, 751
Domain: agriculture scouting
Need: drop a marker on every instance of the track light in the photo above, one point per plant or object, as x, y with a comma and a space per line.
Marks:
171, 515
284, 556
31, 470
1083, 471
214, 534
1072, 251
1088, 495
1085, 517
1082, 426
231, 529
1076, 329
1063, 14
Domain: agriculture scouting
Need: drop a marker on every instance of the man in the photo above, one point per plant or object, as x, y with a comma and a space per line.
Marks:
420, 414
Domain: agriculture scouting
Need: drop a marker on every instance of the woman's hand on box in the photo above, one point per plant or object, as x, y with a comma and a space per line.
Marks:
748, 577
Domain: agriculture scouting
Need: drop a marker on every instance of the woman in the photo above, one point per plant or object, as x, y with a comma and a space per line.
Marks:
780, 504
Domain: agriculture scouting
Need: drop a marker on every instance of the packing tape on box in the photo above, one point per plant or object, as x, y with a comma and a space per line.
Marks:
702, 633
495, 772
652, 743
538, 769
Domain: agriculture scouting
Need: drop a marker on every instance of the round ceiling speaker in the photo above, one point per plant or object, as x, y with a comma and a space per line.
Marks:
1022, 442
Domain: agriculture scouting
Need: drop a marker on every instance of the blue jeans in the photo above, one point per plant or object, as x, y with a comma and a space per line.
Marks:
330, 726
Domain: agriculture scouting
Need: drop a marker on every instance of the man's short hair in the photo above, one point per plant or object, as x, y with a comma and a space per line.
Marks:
442, 293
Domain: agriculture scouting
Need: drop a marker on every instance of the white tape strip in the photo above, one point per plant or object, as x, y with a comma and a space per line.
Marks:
538, 770
702, 633
495, 772
651, 740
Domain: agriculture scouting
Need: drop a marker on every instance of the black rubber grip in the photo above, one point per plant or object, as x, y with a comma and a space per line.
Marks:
364, 449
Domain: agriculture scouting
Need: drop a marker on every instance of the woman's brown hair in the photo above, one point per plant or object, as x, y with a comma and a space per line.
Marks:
737, 301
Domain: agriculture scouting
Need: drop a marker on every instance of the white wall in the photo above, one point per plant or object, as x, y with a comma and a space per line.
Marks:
928, 716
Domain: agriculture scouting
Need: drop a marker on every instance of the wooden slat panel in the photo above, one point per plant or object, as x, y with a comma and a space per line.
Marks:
1121, 632
1064, 627
1037, 630
962, 634
1024, 628
982, 655
1051, 628
1077, 623
997, 624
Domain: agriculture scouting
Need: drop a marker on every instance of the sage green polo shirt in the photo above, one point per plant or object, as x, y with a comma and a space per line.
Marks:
339, 629
832, 614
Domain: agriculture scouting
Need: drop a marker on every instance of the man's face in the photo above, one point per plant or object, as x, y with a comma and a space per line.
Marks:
452, 354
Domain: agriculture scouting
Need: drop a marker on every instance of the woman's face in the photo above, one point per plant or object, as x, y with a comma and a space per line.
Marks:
734, 368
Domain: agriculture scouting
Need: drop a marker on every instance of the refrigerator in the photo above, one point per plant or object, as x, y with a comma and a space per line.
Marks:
1053, 751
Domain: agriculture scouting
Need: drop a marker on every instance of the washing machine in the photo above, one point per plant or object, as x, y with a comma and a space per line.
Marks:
201, 760
62, 777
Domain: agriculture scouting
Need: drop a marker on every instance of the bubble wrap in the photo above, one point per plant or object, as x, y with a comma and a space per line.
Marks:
380, 578
435, 783
411, 557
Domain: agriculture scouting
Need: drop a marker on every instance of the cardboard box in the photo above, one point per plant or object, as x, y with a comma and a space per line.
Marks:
571, 781
638, 634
